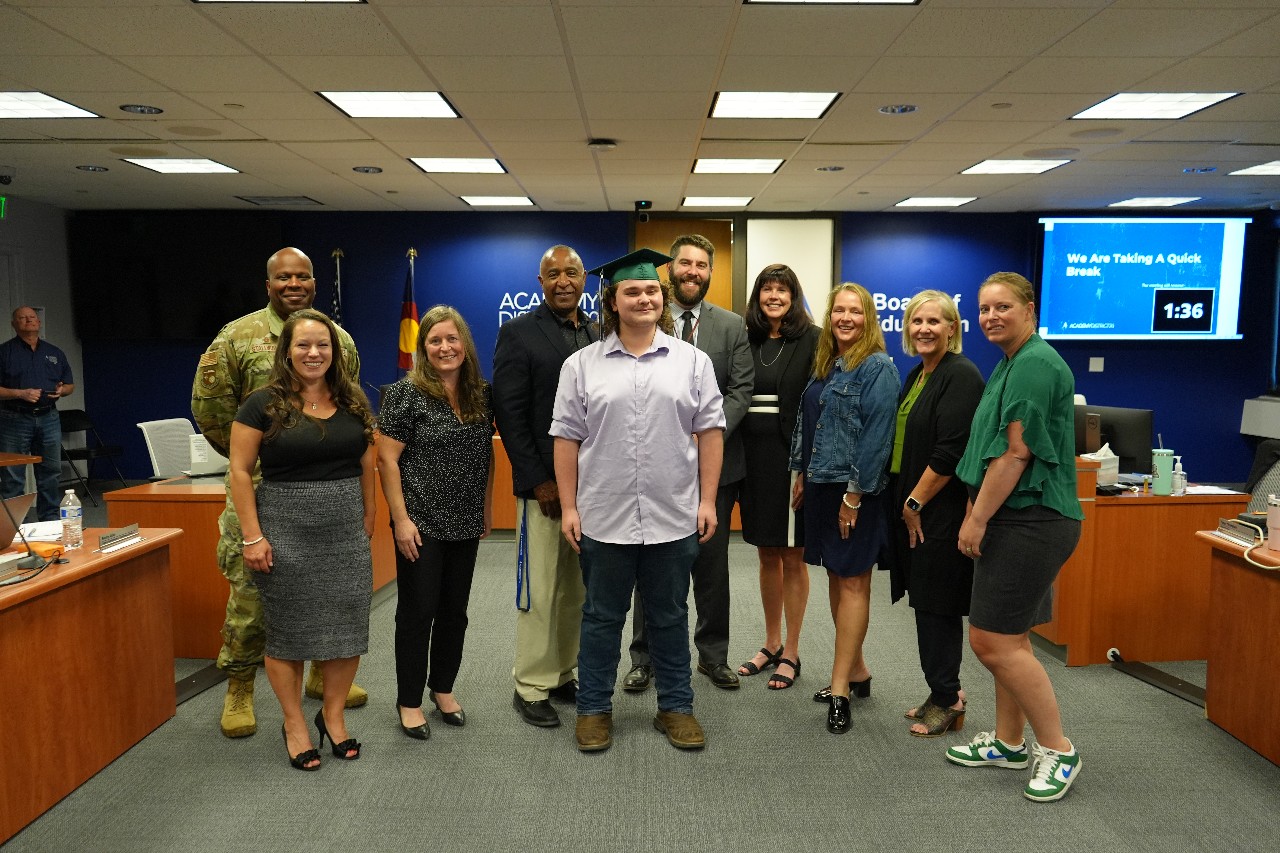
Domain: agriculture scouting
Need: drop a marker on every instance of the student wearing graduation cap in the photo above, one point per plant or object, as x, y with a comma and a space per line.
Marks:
639, 440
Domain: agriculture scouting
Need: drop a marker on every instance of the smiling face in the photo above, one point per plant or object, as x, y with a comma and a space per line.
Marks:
690, 275
1006, 322
638, 304
290, 282
930, 331
444, 347
848, 318
775, 302
561, 277
311, 350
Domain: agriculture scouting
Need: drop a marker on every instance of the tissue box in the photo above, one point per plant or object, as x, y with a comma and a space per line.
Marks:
1110, 470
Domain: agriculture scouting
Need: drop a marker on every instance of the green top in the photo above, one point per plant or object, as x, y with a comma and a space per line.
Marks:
900, 428
1034, 387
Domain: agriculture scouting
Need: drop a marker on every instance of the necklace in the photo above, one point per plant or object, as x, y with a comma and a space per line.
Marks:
776, 355
314, 403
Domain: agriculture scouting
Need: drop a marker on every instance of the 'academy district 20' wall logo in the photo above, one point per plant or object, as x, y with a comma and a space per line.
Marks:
517, 302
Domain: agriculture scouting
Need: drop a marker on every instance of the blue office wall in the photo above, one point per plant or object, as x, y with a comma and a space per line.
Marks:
481, 262
1195, 389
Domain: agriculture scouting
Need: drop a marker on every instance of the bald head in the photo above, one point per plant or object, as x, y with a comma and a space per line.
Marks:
291, 284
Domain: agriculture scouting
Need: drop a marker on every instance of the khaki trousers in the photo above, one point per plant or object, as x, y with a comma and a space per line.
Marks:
547, 634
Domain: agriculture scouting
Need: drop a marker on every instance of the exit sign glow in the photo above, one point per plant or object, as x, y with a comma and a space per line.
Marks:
4, 206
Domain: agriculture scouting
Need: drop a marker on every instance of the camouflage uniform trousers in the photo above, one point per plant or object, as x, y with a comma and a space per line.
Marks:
243, 638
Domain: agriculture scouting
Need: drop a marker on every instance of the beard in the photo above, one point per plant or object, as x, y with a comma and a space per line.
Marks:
676, 290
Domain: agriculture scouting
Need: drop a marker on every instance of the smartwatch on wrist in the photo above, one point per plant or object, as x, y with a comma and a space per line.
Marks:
913, 504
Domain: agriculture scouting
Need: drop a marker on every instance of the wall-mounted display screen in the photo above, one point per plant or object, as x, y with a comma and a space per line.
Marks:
1133, 279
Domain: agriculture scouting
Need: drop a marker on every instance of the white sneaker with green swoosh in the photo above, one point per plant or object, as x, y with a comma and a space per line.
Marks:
1054, 772
987, 750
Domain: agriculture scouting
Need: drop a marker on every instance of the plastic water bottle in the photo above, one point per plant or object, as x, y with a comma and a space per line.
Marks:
71, 514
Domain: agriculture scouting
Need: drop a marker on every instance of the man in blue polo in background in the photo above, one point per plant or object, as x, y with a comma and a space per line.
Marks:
34, 375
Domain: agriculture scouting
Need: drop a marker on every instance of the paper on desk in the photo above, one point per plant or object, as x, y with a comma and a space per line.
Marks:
1210, 490
43, 531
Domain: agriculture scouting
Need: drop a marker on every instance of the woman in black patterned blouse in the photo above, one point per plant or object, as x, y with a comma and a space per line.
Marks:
435, 456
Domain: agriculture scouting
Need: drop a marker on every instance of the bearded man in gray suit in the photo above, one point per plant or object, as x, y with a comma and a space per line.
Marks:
722, 335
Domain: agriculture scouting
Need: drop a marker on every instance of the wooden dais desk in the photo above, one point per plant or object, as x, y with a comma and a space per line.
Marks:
86, 670
1244, 657
199, 589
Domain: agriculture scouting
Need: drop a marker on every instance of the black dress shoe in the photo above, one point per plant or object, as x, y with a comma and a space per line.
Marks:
539, 713
421, 732
452, 718
567, 692
638, 679
838, 716
720, 674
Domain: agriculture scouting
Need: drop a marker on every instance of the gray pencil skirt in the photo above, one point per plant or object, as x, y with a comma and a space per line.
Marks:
1013, 579
315, 599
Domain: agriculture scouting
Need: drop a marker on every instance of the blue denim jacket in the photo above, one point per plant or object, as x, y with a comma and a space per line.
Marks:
854, 434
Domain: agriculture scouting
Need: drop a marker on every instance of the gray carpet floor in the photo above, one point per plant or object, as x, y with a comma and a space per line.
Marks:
1156, 775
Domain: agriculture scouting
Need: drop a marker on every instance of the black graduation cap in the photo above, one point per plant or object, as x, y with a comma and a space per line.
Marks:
640, 265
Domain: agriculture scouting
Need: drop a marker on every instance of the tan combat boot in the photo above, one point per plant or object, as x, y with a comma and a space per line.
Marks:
356, 695
237, 707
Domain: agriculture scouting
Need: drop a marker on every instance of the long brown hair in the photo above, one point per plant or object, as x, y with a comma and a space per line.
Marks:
794, 323
870, 341
471, 385
284, 405
609, 313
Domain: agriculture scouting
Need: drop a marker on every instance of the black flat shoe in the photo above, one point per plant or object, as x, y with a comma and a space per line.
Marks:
567, 692
452, 718
340, 750
422, 732
838, 716
302, 760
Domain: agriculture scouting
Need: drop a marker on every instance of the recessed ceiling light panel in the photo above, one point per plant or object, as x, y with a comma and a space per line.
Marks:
181, 165
936, 201
1153, 202
91, 168
735, 166
367, 170
391, 104
459, 165
38, 105
1153, 105
717, 201
497, 200
772, 104
1272, 168
1013, 167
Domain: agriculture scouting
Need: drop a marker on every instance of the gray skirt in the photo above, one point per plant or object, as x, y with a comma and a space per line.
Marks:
315, 599
1013, 579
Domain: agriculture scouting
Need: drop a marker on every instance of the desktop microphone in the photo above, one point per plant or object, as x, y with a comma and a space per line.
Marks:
32, 560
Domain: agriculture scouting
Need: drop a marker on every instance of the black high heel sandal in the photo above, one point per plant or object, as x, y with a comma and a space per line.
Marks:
340, 750
451, 718
302, 759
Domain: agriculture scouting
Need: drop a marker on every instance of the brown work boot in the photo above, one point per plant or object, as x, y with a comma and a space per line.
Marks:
595, 732
682, 730
237, 707
356, 695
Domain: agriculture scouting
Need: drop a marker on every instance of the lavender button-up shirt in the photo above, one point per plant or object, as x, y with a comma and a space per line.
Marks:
635, 418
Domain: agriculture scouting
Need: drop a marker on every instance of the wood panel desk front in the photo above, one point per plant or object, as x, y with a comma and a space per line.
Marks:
1138, 580
199, 589
86, 670
1244, 657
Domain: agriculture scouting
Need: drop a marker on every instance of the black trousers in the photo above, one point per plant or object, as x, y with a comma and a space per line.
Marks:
940, 638
431, 616
710, 591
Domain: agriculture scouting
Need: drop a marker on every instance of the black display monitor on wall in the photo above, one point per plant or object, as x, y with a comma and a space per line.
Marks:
1129, 433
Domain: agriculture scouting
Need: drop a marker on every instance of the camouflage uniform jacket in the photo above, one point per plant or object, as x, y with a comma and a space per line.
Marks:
236, 364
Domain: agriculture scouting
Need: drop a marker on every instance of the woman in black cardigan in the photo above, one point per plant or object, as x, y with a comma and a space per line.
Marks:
935, 410
783, 341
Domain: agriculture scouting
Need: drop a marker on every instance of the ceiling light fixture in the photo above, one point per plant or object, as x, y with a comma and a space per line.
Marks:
717, 201
141, 109
936, 201
1153, 105
280, 200
89, 168
1013, 167
772, 104
391, 104
601, 144
735, 166
367, 170
829, 169
182, 165
1272, 168
897, 109
459, 165
497, 200
38, 105
1153, 201
1199, 170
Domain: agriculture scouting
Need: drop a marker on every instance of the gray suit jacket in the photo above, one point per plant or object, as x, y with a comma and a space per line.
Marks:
722, 335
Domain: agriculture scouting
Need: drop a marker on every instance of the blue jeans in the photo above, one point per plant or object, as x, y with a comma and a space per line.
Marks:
38, 435
661, 574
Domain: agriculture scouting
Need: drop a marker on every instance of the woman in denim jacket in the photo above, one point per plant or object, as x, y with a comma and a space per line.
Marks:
841, 443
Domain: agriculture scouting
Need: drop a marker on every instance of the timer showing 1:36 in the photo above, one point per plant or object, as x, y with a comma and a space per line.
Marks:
1182, 310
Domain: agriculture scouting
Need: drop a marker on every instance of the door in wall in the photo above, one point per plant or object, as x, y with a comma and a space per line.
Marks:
658, 234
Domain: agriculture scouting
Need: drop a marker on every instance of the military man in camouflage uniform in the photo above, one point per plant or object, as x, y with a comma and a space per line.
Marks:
237, 363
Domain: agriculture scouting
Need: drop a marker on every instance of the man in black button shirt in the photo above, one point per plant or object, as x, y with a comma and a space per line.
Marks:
34, 375
526, 370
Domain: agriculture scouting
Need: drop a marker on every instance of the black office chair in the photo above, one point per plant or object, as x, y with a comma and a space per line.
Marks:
76, 421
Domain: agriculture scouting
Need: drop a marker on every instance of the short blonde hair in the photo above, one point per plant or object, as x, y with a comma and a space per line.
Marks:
1018, 285
949, 313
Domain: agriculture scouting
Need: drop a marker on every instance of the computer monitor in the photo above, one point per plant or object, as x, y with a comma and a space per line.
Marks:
1127, 431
